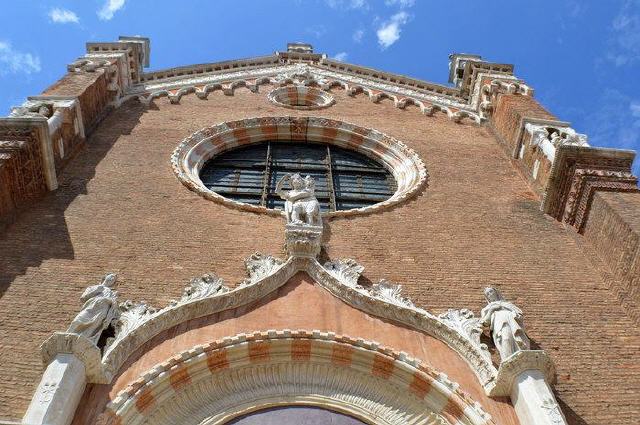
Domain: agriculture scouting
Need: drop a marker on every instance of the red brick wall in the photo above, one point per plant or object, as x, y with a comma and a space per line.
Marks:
613, 228
508, 113
21, 177
120, 208
91, 90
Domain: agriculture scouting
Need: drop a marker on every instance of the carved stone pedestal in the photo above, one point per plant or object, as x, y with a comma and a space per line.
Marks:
303, 240
82, 349
525, 376
58, 393
72, 361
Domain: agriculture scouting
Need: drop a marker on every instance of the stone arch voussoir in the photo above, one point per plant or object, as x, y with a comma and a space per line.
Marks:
210, 384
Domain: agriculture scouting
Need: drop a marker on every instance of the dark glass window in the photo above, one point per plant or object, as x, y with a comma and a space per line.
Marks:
295, 415
344, 179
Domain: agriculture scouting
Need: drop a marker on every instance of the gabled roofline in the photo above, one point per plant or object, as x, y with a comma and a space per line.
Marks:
280, 58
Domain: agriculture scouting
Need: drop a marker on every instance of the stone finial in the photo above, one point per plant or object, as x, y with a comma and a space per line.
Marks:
457, 62
145, 42
505, 321
299, 48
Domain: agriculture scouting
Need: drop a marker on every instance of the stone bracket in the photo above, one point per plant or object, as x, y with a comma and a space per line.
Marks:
517, 363
303, 240
82, 348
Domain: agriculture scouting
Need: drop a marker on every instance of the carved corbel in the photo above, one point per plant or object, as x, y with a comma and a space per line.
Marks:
549, 138
491, 90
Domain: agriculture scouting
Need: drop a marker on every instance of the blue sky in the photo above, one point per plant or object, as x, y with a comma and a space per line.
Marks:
582, 57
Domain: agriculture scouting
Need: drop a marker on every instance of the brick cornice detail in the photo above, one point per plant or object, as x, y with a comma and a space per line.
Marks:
578, 172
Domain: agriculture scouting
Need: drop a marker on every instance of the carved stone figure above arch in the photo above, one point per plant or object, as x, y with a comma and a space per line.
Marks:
214, 383
406, 166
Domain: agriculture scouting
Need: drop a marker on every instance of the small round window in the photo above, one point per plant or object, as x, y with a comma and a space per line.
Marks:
344, 179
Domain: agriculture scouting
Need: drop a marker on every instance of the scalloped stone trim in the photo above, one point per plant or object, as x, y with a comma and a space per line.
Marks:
405, 164
358, 297
213, 383
300, 97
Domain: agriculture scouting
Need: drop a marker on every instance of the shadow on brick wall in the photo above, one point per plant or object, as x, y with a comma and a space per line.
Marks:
40, 232
572, 417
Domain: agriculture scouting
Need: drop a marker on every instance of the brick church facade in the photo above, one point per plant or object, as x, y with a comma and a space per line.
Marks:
214, 290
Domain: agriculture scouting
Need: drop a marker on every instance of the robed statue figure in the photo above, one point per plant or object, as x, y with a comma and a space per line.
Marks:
99, 310
506, 323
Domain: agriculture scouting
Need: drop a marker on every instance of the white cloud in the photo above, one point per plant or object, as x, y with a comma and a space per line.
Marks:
616, 121
109, 8
625, 35
357, 35
389, 31
348, 4
342, 56
63, 16
401, 3
14, 62
316, 30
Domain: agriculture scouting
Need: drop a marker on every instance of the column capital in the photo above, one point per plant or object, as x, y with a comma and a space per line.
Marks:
516, 364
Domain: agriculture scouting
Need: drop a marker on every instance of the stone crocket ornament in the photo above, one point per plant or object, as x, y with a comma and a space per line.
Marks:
99, 310
301, 205
505, 321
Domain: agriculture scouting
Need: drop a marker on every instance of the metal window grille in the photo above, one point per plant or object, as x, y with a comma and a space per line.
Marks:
344, 179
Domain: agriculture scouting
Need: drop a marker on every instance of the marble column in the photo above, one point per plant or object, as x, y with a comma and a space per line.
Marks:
534, 401
59, 392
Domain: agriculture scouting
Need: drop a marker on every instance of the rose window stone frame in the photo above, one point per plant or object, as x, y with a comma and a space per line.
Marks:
300, 97
407, 168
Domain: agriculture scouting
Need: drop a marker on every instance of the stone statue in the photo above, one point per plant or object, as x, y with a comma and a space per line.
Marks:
99, 310
506, 323
301, 206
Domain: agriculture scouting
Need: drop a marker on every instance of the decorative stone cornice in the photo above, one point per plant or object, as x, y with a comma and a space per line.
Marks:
36, 130
489, 86
58, 110
577, 173
519, 362
325, 77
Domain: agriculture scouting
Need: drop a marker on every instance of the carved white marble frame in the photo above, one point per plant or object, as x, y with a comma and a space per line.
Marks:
355, 296
406, 166
525, 376
213, 383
